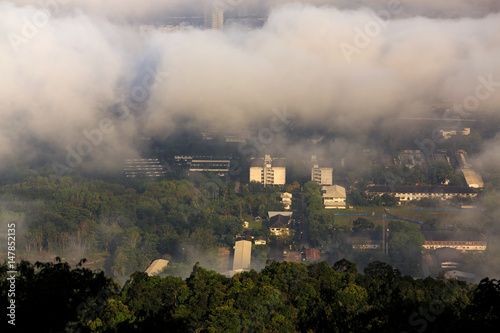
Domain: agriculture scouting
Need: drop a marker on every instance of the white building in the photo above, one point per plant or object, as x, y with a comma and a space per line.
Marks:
459, 240
286, 199
268, 171
321, 171
334, 197
242, 255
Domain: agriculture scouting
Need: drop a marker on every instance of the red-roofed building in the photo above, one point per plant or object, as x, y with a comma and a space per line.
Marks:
313, 255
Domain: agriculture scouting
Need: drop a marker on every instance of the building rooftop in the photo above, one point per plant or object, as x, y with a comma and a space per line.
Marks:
293, 256
439, 158
279, 221
156, 267
272, 214
459, 275
334, 191
472, 178
242, 254
313, 254
275, 163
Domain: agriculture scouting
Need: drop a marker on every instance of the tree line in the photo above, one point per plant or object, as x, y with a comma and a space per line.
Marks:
283, 297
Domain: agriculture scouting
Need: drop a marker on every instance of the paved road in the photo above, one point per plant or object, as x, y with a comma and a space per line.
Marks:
304, 240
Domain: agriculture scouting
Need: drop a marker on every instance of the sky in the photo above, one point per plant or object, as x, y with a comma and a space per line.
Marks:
79, 78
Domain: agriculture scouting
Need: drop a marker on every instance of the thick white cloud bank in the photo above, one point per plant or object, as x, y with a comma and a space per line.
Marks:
131, 10
63, 68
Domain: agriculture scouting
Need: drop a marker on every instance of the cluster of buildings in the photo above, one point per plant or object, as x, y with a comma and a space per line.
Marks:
272, 171
446, 250
412, 158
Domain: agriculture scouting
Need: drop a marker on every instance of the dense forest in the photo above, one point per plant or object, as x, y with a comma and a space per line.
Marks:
283, 297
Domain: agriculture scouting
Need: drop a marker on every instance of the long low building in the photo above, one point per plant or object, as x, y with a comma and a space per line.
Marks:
203, 164
143, 167
409, 193
459, 240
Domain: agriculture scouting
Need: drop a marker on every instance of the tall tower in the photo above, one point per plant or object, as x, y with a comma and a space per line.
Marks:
214, 15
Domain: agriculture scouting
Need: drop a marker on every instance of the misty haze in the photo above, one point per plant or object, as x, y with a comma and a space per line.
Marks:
250, 165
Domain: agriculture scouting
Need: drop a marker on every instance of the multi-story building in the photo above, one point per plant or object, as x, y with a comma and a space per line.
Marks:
214, 16
321, 171
268, 171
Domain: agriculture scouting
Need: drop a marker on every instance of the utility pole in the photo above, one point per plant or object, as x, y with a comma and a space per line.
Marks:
383, 233
387, 241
